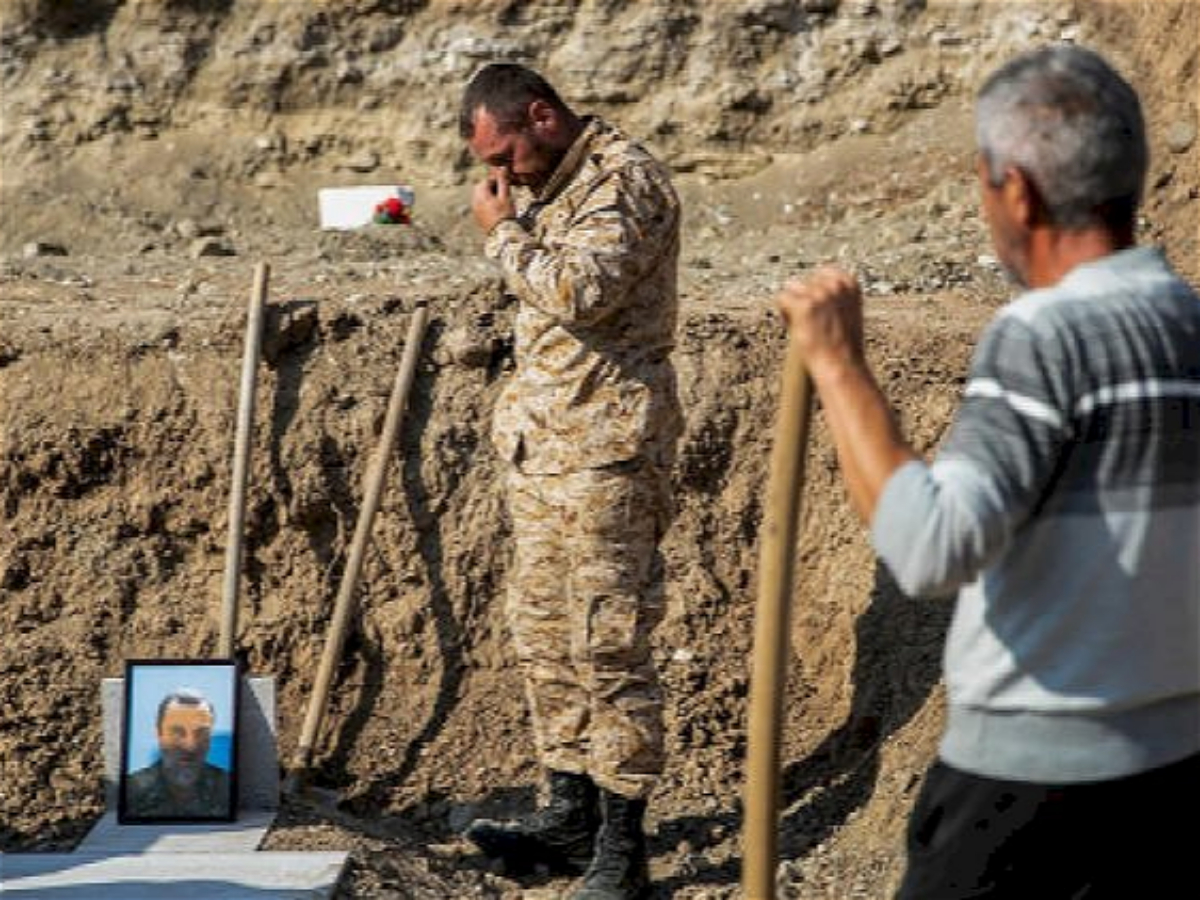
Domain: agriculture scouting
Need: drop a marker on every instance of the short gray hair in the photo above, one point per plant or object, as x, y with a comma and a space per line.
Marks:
1073, 125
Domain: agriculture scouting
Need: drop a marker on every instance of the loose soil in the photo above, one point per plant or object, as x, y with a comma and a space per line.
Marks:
133, 132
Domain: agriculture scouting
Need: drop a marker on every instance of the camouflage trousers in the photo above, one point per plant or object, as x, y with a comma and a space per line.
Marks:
584, 595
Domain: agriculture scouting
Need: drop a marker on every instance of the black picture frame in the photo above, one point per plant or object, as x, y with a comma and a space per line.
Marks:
179, 741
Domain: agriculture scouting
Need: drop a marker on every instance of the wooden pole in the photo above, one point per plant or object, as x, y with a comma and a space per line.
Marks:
358, 546
772, 627
241, 462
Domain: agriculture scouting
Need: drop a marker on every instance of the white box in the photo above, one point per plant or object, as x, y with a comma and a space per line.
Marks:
353, 207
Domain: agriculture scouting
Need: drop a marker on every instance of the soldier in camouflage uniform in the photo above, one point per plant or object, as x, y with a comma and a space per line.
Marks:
584, 224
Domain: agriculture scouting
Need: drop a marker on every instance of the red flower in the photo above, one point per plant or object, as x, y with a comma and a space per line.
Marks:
392, 211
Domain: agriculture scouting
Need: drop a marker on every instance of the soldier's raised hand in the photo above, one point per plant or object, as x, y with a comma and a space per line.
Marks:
491, 201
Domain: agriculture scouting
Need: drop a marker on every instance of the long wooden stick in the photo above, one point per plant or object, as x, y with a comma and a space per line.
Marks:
358, 546
241, 462
772, 628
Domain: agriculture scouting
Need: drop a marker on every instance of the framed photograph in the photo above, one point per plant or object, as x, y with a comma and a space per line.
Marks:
179, 741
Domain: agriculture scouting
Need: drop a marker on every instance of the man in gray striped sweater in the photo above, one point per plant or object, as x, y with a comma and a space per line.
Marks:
1064, 505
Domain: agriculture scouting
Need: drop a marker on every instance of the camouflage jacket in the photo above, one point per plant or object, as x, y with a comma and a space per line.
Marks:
592, 259
148, 796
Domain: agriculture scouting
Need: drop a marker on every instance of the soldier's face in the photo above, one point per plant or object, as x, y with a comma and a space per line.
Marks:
183, 737
526, 158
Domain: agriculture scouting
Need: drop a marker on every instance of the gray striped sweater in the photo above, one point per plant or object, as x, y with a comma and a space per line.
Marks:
1064, 505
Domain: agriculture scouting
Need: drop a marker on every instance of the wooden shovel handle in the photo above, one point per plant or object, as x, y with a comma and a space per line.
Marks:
358, 545
772, 621
241, 462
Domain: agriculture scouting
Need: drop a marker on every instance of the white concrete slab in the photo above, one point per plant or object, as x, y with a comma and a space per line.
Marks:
171, 876
243, 836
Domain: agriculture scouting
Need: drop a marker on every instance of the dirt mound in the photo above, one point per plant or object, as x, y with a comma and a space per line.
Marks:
801, 132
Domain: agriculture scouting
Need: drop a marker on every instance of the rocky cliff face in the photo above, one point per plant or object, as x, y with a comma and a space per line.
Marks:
228, 94
683, 74
135, 134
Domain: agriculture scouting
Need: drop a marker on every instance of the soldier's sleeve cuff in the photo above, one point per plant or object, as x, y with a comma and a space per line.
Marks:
502, 232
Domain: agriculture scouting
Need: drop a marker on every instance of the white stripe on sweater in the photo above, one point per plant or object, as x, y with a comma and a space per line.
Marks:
1019, 403
1131, 391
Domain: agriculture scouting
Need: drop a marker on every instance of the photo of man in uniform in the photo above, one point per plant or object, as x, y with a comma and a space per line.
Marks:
182, 783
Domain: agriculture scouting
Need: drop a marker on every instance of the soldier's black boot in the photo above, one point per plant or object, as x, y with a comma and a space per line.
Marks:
619, 870
559, 835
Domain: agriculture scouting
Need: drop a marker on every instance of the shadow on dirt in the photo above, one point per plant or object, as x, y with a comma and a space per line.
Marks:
64, 19
899, 644
59, 837
418, 497
289, 342
897, 664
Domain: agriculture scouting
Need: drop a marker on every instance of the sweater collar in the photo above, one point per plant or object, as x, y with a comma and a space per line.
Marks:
1147, 259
